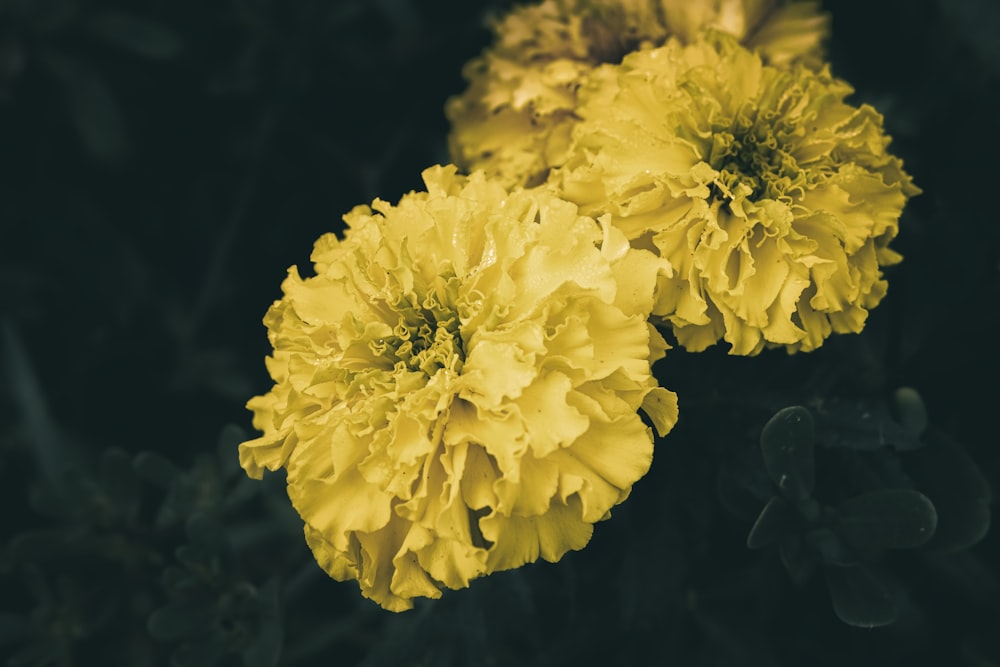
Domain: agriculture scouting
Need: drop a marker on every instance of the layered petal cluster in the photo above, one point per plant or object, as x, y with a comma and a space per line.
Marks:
772, 198
461, 387
515, 118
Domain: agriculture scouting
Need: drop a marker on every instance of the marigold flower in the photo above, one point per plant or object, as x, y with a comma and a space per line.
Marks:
458, 388
516, 117
773, 199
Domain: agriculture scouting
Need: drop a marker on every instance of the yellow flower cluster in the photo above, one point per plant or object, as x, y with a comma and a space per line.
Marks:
772, 198
458, 389
516, 118
465, 383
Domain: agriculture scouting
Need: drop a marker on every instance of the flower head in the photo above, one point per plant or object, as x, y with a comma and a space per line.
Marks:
516, 117
772, 198
458, 388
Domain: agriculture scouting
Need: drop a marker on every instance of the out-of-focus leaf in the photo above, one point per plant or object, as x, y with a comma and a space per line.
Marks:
13, 628
206, 532
401, 14
776, 521
977, 21
198, 558
138, 35
156, 469
910, 410
45, 16
265, 649
960, 493
859, 597
203, 653
886, 519
787, 445
176, 621
52, 450
36, 654
798, 561
53, 502
227, 449
119, 482
93, 109
38, 545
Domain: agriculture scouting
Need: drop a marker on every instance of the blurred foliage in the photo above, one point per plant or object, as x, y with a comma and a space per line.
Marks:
163, 163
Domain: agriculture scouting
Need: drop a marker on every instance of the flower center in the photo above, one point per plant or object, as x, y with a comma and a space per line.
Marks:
427, 334
751, 157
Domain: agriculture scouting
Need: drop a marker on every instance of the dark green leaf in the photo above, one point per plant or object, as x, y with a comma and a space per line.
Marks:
787, 445
859, 597
886, 519
776, 521
138, 35
178, 581
960, 493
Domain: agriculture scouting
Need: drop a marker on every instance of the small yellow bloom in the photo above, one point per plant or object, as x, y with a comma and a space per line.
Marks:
773, 200
517, 115
458, 388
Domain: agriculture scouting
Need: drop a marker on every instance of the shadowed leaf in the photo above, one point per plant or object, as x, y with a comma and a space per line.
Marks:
777, 520
886, 519
960, 493
787, 442
910, 410
859, 597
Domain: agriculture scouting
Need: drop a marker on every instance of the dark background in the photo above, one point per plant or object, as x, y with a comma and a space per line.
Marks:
161, 166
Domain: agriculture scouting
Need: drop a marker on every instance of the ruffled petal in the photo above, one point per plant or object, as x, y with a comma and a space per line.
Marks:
772, 199
517, 115
458, 388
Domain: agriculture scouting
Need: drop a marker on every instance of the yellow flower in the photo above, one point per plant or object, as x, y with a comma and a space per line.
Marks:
772, 198
516, 117
458, 389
